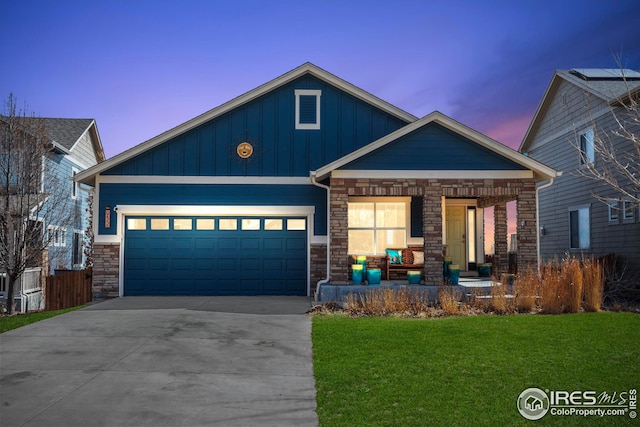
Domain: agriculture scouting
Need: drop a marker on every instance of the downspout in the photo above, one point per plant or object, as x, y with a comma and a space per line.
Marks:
542, 187
328, 189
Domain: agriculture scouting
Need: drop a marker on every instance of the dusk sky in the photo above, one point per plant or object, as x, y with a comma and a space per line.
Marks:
141, 67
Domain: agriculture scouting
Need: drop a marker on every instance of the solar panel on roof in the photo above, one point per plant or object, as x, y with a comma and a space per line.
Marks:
605, 73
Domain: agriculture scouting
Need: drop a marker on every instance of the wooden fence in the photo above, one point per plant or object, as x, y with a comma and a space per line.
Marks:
68, 289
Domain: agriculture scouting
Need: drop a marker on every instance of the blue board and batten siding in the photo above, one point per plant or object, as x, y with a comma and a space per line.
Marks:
268, 123
433, 147
239, 261
213, 195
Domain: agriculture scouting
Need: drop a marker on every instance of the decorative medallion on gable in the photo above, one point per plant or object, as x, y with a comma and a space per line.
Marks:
244, 150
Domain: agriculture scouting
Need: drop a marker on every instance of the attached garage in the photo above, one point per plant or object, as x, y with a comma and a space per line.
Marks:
225, 255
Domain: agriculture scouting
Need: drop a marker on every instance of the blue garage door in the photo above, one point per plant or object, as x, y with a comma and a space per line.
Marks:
215, 256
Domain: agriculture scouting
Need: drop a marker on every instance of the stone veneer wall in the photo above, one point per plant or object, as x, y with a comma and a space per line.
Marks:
106, 267
318, 267
488, 192
500, 239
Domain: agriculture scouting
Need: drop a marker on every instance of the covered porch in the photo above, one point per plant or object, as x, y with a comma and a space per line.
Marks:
444, 217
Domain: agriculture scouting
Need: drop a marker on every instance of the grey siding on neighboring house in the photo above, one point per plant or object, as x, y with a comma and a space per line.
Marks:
567, 112
554, 144
84, 151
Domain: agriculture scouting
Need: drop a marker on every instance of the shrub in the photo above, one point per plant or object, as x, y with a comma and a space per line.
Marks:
386, 301
449, 299
572, 274
593, 283
498, 302
552, 290
525, 291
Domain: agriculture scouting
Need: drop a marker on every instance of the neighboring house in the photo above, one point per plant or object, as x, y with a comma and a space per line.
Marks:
272, 192
578, 106
75, 146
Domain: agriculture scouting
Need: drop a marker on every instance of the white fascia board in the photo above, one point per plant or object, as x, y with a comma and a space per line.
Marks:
62, 149
227, 180
498, 148
195, 210
81, 135
236, 102
449, 123
542, 106
433, 174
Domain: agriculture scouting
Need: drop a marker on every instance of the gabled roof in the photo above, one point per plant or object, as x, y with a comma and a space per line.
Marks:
88, 176
610, 85
66, 133
541, 172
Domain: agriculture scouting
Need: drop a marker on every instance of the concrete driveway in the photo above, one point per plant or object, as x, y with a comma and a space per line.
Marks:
163, 361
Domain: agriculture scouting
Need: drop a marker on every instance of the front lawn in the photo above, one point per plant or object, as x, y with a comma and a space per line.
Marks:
376, 371
8, 323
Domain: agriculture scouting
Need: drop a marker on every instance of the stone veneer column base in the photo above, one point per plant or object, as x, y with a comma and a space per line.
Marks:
106, 270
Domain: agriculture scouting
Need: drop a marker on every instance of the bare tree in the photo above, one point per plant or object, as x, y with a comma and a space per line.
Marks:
618, 150
35, 209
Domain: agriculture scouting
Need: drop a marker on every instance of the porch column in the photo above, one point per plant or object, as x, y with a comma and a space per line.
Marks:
432, 231
500, 239
338, 232
527, 227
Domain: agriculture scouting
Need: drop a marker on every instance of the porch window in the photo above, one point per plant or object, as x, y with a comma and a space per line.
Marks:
375, 224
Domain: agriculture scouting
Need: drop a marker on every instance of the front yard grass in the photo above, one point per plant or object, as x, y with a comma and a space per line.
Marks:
8, 323
374, 371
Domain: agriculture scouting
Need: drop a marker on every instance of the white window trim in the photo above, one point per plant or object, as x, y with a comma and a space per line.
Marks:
80, 248
587, 157
308, 92
626, 203
614, 211
578, 209
58, 238
75, 186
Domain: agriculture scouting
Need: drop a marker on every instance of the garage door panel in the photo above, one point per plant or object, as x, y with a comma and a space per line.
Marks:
226, 244
273, 286
227, 286
215, 262
250, 244
227, 264
273, 244
158, 242
251, 264
204, 243
182, 243
296, 244
181, 286
205, 265
273, 264
295, 264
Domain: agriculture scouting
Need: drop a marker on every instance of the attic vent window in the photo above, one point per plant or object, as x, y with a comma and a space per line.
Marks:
307, 109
